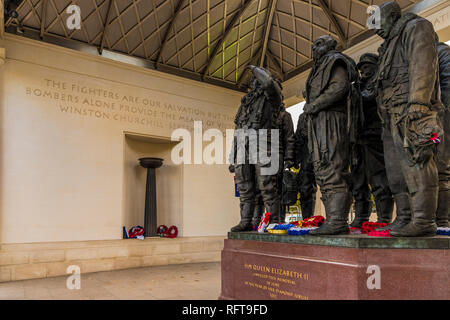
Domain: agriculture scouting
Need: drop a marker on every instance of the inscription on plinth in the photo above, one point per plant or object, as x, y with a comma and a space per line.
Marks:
275, 281
281, 269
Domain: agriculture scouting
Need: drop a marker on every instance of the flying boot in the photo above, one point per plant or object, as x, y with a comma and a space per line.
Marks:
283, 209
385, 207
423, 220
257, 214
274, 210
307, 208
442, 212
337, 206
363, 209
403, 213
245, 224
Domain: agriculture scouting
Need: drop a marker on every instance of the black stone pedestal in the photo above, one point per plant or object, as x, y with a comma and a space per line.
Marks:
150, 223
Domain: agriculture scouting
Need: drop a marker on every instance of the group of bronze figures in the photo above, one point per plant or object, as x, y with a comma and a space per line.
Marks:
379, 127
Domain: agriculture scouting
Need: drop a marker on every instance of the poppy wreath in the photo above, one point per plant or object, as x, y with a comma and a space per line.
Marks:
172, 232
285, 226
367, 226
162, 230
136, 231
278, 231
298, 231
443, 231
297, 223
381, 233
314, 221
354, 230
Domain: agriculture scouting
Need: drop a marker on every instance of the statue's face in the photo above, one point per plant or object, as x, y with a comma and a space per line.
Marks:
254, 84
367, 70
320, 47
387, 20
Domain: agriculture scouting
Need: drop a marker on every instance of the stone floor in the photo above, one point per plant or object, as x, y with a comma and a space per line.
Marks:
200, 281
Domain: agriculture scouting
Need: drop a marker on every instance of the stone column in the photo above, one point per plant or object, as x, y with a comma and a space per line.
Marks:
150, 223
2, 34
2, 19
2, 62
2, 56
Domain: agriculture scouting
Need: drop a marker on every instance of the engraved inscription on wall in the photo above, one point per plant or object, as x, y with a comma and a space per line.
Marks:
146, 110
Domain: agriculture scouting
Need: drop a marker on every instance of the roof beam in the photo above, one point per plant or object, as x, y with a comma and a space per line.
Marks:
272, 5
43, 17
241, 77
2, 19
276, 64
166, 35
227, 31
105, 27
334, 22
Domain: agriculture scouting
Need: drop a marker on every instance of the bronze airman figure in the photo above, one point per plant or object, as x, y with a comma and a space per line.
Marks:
409, 102
328, 103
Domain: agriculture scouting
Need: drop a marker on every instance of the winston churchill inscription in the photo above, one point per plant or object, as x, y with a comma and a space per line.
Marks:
108, 104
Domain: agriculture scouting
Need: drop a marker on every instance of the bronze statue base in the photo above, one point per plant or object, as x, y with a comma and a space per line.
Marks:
354, 267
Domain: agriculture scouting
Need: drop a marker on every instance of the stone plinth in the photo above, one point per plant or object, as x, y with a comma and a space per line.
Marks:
24, 261
266, 266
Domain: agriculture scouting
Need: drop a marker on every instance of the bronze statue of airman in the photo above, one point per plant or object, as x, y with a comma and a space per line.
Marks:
443, 155
367, 165
306, 179
261, 112
329, 102
409, 103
